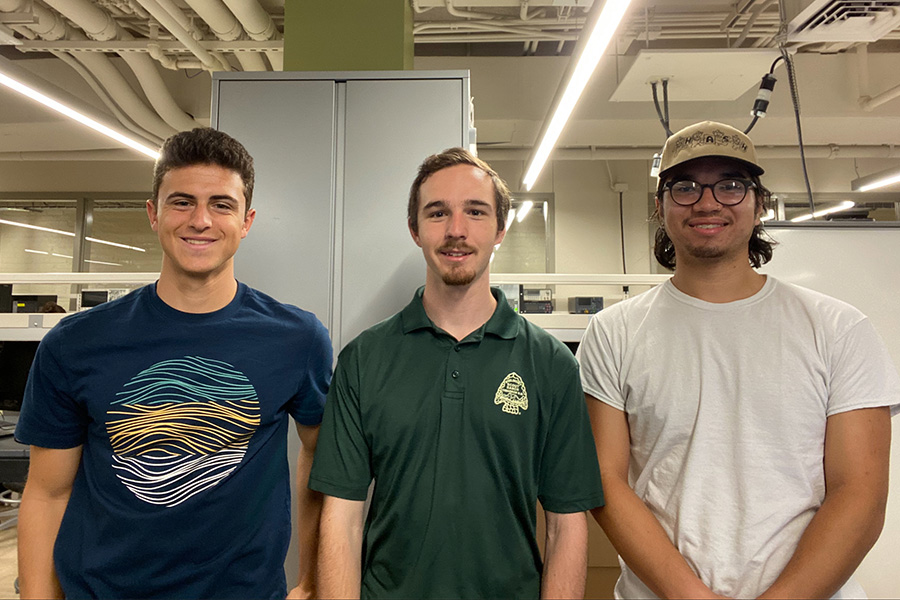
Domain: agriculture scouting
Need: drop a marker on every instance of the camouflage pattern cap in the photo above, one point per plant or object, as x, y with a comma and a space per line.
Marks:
709, 139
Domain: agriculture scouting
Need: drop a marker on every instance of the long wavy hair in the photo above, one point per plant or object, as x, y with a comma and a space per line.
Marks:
759, 250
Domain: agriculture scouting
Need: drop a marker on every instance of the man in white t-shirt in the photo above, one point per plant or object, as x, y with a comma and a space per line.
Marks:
742, 423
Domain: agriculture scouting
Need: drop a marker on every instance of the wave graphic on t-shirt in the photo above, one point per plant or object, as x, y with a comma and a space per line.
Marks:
180, 427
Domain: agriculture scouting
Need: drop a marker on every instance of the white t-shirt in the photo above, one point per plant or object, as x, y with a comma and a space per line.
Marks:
726, 406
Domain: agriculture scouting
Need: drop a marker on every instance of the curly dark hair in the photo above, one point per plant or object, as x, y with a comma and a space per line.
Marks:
450, 158
204, 146
759, 250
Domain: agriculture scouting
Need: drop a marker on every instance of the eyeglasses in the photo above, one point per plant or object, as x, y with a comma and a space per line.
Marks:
727, 191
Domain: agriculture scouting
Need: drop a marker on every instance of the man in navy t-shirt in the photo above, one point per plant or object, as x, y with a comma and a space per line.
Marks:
158, 422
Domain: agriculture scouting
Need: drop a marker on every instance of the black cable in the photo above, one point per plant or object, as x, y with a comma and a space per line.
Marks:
666, 102
774, 64
795, 99
662, 119
622, 231
752, 123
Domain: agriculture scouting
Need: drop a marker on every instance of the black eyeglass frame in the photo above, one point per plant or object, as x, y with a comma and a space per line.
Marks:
748, 185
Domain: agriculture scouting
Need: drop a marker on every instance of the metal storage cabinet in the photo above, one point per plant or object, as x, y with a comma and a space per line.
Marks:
335, 154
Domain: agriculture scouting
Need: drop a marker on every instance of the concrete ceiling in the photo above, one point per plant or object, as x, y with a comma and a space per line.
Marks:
713, 53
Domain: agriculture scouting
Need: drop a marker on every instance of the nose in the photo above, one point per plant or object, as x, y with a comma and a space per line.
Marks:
200, 217
707, 201
457, 226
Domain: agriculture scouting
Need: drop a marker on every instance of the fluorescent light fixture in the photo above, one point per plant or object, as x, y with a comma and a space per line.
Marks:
770, 214
100, 262
825, 211
546, 208
61, 255
30, 251
69, 234
598, 39
509, 218
76, 116
116, 244
876, 180
524, 210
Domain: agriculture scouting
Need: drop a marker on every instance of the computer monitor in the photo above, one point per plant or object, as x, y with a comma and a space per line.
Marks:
91, 298
15, 363
30, 303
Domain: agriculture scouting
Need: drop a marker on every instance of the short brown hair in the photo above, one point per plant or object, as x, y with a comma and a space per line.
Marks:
450, 158
204, 146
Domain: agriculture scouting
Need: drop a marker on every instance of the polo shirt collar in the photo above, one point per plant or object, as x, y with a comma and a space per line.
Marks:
504, 323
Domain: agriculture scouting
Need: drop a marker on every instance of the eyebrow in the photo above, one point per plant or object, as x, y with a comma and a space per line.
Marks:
443, 204
188, 196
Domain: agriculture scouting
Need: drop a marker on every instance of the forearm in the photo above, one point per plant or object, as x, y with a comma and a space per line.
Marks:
340, 556
565, 559
643, 544
843, 530
39, 522
309, 510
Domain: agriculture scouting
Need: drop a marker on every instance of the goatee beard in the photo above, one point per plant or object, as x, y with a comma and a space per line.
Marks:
458, 277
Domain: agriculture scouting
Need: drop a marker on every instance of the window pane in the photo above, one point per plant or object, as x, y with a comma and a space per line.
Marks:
122, 239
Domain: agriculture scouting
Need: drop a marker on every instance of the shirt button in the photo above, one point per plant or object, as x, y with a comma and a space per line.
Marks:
457, 348
454, 374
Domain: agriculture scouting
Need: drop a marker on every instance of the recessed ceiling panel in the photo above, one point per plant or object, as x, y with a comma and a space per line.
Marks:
695, 75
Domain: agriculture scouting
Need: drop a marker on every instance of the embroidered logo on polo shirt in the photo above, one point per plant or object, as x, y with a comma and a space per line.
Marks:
512, 394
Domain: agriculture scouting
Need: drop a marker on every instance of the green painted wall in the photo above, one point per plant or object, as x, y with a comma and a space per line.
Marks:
347, 35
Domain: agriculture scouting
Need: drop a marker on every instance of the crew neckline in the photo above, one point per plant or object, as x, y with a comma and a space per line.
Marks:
185, 317
767, 288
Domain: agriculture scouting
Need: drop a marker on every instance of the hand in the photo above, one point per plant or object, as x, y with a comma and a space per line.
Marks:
300, 593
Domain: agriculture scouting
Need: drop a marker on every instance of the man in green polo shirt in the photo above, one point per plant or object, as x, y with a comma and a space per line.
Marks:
465, 415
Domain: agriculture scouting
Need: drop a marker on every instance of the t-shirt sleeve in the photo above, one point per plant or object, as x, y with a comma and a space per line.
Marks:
570, 476
862, 374
51, 417
308, 405
599, 369
342, 464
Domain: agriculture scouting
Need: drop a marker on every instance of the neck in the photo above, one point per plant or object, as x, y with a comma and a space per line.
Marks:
717, 282
201, 294
458, 310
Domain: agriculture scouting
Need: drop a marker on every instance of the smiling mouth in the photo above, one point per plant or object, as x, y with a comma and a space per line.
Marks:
197, 242
708, 226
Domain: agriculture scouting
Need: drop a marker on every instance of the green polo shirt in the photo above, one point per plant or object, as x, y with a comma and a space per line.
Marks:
462, 439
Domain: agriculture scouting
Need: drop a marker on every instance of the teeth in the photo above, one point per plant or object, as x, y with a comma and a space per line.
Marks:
710, 226
196, 242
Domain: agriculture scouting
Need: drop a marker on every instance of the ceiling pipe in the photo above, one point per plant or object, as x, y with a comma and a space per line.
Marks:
492, 153
174, 26
259, 26
94, 21
225, 26
533, 23
50, 26
465, 14
866, 102
110, 103
172, 9
869, 104
754, 14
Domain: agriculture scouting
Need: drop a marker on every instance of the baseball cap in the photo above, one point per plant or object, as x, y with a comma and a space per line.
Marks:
709, 139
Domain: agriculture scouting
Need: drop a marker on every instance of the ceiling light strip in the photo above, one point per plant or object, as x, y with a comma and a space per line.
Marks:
825, 211
876, 180
69, 234
602, 32
76, 116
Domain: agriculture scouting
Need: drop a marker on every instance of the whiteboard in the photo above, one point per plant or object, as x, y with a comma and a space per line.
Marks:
859, 264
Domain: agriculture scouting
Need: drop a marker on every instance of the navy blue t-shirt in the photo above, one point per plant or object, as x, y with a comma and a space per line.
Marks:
183, 489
